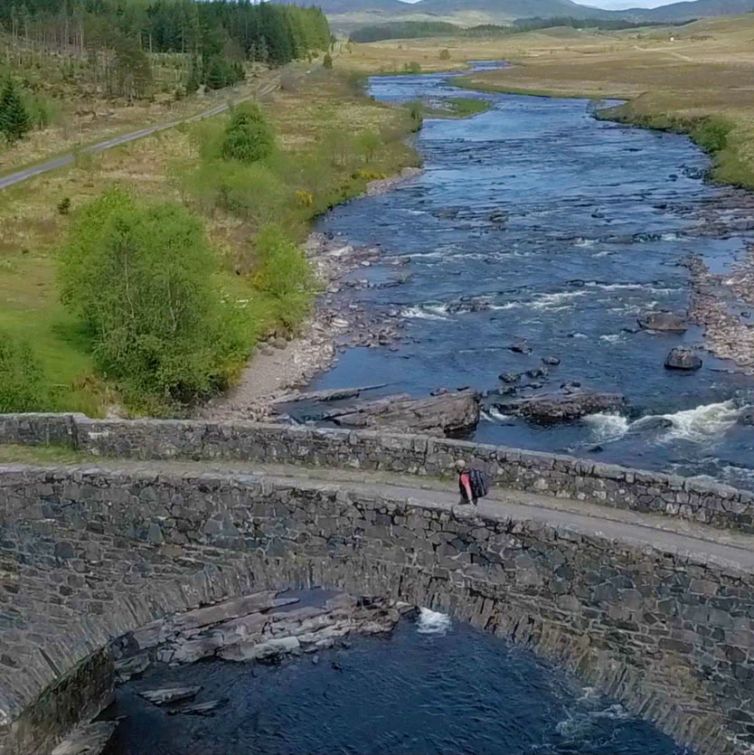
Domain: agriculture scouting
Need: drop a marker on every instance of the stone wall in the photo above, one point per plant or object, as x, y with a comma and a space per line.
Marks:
670, 635
560, 476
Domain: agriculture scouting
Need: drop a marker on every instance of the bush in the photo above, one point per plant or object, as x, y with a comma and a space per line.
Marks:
22, 381
327, 61
140, 278
64, 206
284, 274
445, 54
711, 134
369, 143
416, 114
248, 137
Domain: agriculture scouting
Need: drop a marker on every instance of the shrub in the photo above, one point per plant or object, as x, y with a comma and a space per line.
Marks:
248, 136
416, 113
412, 67
369, 142
327, 61
283, 273
140, 278
22, 381
711, 134
64, 206
445, 54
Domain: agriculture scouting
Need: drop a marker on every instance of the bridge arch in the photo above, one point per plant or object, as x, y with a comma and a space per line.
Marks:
97, 553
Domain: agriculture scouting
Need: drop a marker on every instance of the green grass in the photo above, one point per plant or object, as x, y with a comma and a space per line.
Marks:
465, 107
17, 454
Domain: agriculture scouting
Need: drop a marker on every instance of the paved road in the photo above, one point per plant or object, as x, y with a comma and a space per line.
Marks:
64, 161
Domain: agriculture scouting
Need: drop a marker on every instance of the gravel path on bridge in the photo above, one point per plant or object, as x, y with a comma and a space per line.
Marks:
691, 540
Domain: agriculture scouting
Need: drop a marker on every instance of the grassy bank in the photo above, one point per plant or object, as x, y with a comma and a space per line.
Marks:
331, 140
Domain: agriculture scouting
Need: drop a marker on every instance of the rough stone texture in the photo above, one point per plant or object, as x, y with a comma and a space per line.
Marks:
662, 621
560, 476
666, 322
682, 358
444, 414
563, 406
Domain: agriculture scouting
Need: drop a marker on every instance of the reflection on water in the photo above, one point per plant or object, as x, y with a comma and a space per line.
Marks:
432, 687
534, 220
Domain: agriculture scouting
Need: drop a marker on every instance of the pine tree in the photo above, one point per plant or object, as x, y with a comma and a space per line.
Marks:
14, 118
192, 85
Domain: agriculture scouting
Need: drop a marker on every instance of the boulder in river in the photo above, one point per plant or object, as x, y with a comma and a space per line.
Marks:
206, 708
549, 408
665, 322
168, 695
520, 346
446, 414
682, 358
746, 417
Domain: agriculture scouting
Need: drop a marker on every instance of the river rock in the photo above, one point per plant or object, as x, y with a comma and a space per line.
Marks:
520, 346
510, 377
127, 668
746, 417
199, 709
548, 408
446, 414
551, 361
666, 322
682, 358
89, 739
168, 695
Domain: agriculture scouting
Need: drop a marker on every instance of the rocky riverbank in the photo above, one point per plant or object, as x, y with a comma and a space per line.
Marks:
723, 305
279, 365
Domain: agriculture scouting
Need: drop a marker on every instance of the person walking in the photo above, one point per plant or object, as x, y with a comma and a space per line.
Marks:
468, 496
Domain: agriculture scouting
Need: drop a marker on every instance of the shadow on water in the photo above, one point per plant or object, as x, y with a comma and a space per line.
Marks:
431, 687
534, 220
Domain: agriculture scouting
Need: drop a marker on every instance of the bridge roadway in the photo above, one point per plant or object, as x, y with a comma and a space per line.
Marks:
68, 587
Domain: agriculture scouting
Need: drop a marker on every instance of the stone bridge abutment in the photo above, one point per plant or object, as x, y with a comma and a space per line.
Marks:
660, 618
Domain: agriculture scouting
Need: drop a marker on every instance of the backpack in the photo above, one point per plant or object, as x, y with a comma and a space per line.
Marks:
480, 483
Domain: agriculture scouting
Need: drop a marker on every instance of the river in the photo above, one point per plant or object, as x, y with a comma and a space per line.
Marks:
535, 220
431, 687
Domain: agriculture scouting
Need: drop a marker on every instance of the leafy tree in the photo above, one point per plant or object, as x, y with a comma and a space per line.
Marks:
248, 136
15, 121
140, 278
22, 380
284, 274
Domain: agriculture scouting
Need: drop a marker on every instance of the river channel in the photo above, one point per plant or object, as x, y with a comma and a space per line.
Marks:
430, 687
537, 221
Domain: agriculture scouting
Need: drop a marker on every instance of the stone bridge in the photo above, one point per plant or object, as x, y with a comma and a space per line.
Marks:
640, 582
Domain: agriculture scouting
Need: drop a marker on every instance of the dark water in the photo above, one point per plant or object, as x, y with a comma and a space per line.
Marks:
597, 220
429, 688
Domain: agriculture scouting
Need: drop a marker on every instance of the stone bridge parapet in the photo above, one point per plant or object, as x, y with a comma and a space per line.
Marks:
559, 476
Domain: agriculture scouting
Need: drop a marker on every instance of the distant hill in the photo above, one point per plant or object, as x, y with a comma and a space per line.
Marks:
685, 11
347, 14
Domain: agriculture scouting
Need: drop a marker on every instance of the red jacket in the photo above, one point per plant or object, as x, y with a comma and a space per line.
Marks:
464, 484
